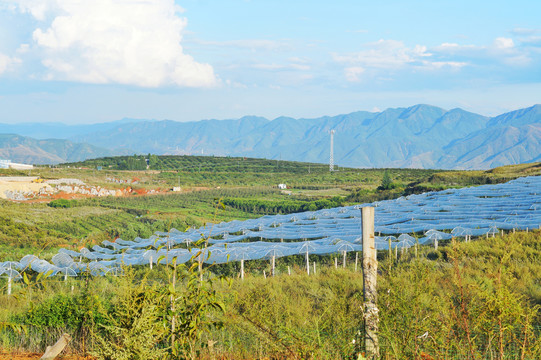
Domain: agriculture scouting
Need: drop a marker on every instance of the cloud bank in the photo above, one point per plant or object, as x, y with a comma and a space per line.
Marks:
133, 42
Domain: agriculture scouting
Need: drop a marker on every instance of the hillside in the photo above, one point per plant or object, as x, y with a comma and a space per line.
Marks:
49, 151
421, 136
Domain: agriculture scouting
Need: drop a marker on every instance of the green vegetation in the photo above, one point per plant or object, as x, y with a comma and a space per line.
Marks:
472, 300
468, 299
248, 188
62, 203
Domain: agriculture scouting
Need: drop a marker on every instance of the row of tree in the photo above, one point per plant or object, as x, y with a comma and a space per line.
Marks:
258, 206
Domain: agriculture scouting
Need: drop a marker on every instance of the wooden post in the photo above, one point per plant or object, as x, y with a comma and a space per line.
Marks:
150, 262
288, 270
242, 269
370, 271
264, 274
273, 265
173, 318
336, 263
307, 263
356, 260
435, 244
344, 260
314, 267
52, 351
9, 285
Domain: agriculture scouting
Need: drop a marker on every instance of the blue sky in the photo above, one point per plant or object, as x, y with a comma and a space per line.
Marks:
102, 60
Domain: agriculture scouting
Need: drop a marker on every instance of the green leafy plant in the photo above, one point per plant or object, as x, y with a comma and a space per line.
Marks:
192, 306
133, 329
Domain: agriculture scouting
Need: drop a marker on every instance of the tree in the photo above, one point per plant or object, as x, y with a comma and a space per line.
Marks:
386, 183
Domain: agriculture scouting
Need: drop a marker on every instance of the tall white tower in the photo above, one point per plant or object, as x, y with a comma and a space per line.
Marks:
331, 160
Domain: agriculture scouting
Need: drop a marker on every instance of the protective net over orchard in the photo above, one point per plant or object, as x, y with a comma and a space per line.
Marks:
401, 223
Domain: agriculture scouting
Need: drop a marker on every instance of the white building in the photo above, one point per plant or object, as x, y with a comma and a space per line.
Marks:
7, 164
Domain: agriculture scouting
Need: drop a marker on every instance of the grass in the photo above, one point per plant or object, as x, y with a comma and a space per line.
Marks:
487, 288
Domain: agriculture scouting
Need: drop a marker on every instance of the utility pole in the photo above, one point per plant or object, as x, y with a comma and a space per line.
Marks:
331, 160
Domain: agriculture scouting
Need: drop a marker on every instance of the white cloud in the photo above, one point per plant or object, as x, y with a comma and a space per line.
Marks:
503, 43
383, 54
525, 31
353, 73
502, 50
135, 42
390, 55
7, 63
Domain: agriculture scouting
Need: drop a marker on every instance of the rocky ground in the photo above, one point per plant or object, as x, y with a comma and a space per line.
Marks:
26, 188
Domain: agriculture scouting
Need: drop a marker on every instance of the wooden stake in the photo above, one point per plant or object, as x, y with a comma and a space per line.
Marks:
9, 285
150, 262
173, 318
356, 260
336, 263
307, 263
242, 269
314, 267
273, 264
52, 351
370, 271
390, 251
288, 270
344, 260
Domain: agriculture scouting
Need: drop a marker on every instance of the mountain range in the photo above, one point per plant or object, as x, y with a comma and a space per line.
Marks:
421, 136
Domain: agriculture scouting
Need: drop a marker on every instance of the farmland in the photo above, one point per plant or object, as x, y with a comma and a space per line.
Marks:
313, 316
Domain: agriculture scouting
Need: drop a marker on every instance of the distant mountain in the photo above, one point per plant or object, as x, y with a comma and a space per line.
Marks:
60, 130
421, 136
27, 150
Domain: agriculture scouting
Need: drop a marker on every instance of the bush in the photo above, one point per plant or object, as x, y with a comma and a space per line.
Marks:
62, 203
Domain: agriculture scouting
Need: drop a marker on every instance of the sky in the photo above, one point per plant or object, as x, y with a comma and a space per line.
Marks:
89, 61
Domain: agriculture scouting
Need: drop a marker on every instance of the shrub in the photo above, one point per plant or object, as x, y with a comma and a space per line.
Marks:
62, 203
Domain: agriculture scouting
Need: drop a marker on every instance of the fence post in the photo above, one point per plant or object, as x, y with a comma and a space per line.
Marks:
242, 269
51, 352
370, 270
